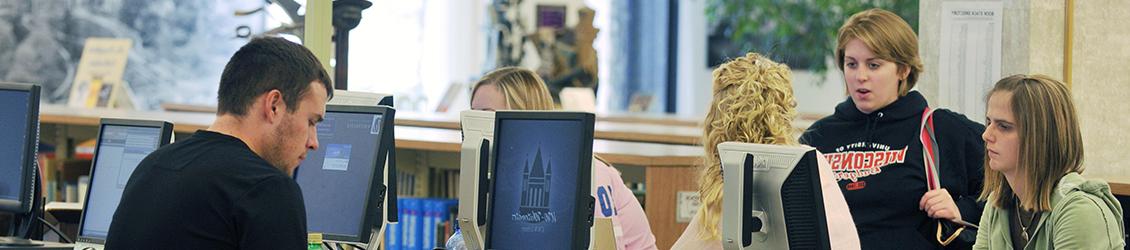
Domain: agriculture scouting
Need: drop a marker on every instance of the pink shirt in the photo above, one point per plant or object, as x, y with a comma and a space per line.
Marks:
614, 200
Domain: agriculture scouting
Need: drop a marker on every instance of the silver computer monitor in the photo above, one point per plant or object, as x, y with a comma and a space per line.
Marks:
122, 145
772, 197
541, 181
343, 180
474, 160
369, 99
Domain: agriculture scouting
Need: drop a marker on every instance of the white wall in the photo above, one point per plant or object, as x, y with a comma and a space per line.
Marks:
1100, 84
1033, 44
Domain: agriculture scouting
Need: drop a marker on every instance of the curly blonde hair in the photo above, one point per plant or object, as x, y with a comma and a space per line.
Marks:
753, 102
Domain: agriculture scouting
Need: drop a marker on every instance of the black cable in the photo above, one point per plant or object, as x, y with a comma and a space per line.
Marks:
56, 230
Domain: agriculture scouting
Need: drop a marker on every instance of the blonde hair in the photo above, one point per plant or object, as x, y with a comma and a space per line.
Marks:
524, 89
889, 37
753, 102
1050, 142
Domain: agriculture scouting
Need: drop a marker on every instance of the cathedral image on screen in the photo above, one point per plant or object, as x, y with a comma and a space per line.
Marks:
535, 187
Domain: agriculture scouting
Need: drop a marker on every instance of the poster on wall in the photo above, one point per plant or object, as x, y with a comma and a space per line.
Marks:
100, 70
178, 50
970, 58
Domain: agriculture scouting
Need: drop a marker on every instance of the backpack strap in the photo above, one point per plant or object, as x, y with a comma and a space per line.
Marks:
930, 155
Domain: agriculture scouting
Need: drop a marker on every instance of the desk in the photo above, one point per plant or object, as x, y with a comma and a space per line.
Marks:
1119, 185
615, 129
185, 122
621, 131
46, 245
648, 118
668, 168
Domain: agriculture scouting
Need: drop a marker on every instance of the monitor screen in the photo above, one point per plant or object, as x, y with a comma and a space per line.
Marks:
336, 179
120, 149
13, 128
537, 173
17, 105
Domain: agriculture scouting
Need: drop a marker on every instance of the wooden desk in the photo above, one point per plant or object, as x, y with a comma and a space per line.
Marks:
185, 122
1119, 185
656, 132
668, 168
659, 119
667, 134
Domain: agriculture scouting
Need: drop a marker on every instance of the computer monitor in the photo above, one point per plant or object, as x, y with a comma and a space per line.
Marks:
342, 182
369, 99
121, 145
19, 128
541, 180
358, 98
772, 197
474, 163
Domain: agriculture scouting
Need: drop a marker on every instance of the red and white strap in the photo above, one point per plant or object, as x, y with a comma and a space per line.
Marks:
930, 156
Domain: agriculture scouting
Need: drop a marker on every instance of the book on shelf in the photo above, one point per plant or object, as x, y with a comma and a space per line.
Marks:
426, 223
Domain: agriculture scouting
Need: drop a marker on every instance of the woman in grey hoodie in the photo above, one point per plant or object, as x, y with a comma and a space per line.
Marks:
1036, 197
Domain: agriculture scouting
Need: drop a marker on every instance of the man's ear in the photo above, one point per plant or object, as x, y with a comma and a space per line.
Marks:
273, 105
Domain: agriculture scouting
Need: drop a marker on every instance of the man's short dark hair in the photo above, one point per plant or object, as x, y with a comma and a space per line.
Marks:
268, 63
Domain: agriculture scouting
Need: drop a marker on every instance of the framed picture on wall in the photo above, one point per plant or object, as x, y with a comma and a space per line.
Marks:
551, 16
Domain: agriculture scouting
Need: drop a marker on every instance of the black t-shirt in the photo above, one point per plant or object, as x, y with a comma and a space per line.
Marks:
209, 191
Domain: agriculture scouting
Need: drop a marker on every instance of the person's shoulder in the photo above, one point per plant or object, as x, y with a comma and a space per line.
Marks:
1088, 219
276, 181
223, 162
950, 118
604, 173
817, 128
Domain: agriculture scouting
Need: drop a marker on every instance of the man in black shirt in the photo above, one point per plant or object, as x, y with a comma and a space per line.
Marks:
230, 186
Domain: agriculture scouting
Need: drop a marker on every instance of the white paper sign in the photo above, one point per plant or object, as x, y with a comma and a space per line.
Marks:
687, 207
970, 60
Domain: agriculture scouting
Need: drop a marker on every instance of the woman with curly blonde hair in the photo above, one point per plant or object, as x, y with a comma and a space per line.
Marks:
753, 103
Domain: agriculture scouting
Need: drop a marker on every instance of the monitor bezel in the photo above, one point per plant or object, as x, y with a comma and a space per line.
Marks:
769, 184
28, 162
372, 215
582, 212
164, 138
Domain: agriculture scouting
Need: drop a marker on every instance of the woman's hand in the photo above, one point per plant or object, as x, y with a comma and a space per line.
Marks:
939, 205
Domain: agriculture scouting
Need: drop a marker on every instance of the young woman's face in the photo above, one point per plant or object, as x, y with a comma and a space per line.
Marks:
1002, 136
873, 83
488, 97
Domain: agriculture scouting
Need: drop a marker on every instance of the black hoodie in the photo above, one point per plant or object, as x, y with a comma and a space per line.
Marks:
877, 159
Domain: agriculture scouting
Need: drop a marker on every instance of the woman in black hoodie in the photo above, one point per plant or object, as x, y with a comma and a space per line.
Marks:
872, 141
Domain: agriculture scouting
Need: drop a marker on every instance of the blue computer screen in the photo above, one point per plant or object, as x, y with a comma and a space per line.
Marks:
120, 148
336, 177
13, 130
535, 177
